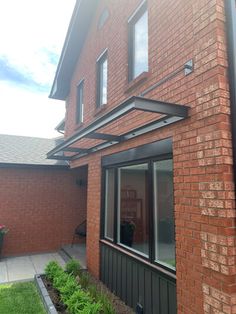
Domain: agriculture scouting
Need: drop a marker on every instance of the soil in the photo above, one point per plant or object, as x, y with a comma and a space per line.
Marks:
119, 306
55, 296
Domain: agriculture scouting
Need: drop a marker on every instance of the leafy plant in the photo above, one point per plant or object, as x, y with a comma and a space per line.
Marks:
52, 270
84, 280
60, 280
80, 297
68, 289
78, 301
93, 308
73, 267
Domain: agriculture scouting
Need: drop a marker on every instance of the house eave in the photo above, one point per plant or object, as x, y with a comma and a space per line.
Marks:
76, 34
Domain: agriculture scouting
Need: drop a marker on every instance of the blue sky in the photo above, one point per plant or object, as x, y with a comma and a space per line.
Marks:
32, 34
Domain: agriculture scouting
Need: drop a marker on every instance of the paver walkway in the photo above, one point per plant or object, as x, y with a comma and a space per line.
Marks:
25, 267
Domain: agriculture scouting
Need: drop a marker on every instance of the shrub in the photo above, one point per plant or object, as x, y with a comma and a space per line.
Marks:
73, 293
78, 301
93, 308
73, 267
84, 280
68, 289
52, 270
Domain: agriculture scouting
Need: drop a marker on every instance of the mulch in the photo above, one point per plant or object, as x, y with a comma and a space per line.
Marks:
120, 307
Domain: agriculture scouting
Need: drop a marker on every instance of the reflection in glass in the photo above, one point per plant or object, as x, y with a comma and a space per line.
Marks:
141, 45
103, 82
109, 203
80, 103
133, 226
164, 213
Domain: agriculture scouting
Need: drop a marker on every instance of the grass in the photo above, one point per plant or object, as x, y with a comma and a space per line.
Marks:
20, 298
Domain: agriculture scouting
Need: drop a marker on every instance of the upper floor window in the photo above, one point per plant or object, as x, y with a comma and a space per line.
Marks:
80, 103
102, 73
103, 18
138, 42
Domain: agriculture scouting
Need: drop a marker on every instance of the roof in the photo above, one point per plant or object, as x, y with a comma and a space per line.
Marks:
76, 34
24, 150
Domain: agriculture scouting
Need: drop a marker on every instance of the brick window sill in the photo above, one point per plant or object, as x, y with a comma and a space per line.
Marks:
136, 82
79, 126
99, 110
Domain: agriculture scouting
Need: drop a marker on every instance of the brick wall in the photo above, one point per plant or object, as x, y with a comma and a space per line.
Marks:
202, 148
41, 207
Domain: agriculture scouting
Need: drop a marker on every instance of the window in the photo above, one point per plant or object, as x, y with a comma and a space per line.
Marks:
138, 42
80, 103
133, 225
103, 18
164, 213
109, 203
102, 73
139, 209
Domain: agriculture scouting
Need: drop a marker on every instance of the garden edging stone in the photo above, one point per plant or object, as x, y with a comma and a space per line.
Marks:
48, 304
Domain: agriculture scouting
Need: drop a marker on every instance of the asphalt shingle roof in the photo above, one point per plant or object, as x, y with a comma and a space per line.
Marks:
27, 150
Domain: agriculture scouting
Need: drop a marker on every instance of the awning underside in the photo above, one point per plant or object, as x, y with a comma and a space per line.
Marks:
120, 124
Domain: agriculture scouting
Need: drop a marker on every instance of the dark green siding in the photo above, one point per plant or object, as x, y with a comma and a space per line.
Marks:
134, 282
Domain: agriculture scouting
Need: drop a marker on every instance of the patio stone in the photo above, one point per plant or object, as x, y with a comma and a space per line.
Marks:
3, 273
25, 267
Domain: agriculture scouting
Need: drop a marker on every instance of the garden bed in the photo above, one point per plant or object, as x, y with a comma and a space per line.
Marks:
85, 289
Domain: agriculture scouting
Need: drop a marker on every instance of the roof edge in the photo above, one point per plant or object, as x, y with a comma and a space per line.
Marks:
80, 20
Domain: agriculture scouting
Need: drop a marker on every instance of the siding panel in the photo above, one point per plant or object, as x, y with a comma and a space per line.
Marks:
134, 282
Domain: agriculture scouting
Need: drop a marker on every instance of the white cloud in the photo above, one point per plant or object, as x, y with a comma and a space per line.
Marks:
22, 113
32, 33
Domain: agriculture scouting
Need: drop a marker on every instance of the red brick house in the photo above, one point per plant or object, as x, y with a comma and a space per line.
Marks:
41, 201
150, 105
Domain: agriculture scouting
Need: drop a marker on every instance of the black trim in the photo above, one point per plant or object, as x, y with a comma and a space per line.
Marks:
230, 7
33, 166
147, 151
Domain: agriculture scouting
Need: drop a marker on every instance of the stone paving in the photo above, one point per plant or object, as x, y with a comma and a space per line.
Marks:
25, 267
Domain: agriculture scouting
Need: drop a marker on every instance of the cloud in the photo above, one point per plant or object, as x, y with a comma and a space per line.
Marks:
32, 34
9, 74
23, 113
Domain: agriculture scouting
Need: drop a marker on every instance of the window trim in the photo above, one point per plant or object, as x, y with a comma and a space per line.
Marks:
80, 106
131, 23
101, 59
141, 150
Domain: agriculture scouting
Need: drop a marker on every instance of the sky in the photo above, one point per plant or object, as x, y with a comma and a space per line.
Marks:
32, 34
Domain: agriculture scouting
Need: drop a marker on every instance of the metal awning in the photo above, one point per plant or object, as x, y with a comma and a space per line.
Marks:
162, 114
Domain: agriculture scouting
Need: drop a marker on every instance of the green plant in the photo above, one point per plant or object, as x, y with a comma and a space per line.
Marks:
68, 289
107, 307
59, 281
93, 308
73, 267
84, 280
52, 270
72, 292
78, 301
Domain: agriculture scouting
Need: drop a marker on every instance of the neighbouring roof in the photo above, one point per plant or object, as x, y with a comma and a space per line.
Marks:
76, 34
24, 150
